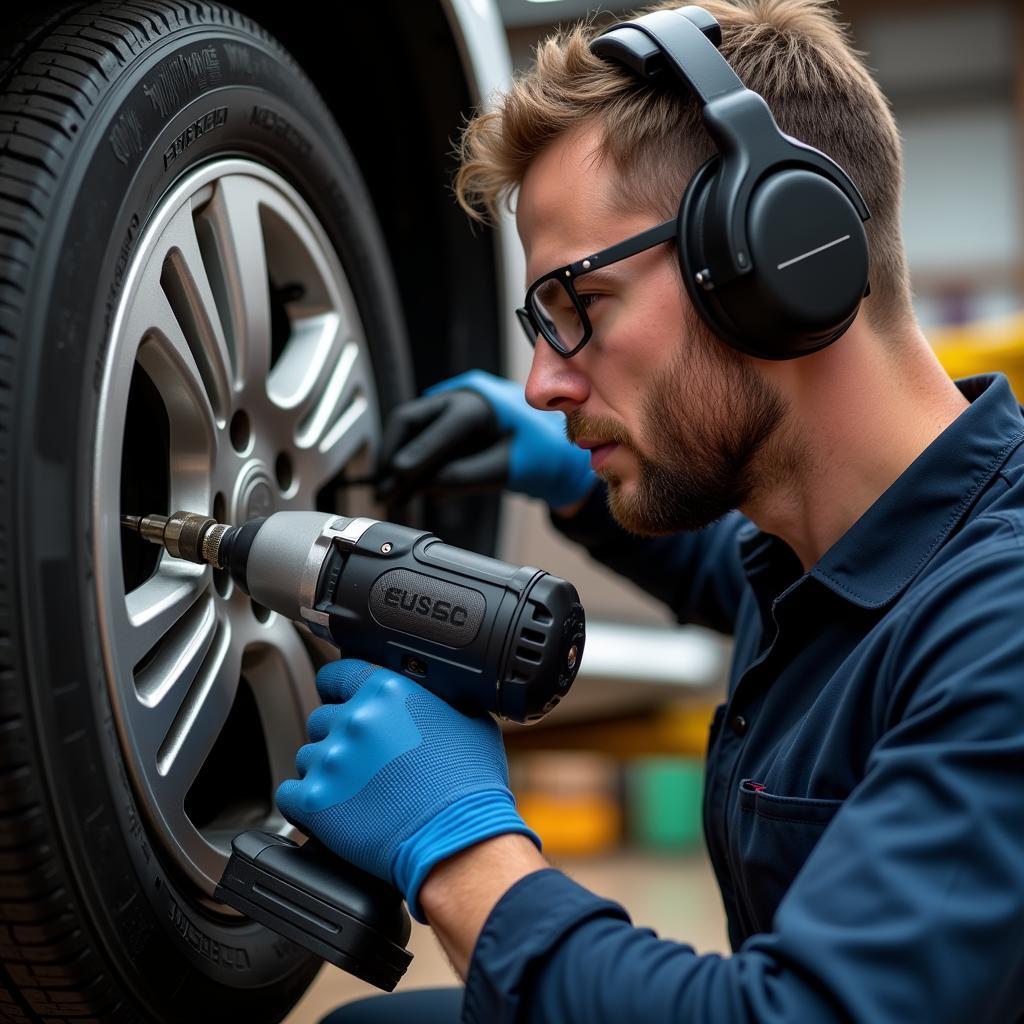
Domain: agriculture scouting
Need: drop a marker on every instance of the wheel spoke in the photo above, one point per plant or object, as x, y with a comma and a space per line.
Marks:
186, 283
299, 377
350, 434
233, 219
282, 677
154, 608
166, 356
165, 679
200, 718
341, 421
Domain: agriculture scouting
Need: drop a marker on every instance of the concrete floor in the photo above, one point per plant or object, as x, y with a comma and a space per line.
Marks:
674, 895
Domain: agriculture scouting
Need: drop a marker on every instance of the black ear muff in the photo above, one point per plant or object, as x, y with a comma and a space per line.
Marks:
770, 231
808, 263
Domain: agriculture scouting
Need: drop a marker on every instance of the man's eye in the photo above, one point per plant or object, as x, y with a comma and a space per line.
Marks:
588, 299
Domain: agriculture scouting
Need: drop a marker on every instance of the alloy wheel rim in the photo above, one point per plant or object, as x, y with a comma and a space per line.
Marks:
237, 320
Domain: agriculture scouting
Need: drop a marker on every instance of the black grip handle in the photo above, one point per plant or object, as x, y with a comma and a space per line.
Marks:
326, 905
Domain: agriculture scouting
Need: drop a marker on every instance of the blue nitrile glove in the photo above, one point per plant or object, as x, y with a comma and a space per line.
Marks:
395, 779
476, 432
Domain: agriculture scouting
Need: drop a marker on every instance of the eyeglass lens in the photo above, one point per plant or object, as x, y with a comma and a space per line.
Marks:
557, 314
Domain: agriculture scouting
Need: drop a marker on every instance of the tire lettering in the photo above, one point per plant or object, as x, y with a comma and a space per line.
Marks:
273, 122
216, 118
126, 138
183, 76
246, 61
217, 953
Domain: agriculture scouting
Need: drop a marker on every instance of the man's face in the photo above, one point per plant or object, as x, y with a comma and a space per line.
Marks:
675, 420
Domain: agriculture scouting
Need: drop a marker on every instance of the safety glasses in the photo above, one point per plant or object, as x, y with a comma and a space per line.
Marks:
554, 310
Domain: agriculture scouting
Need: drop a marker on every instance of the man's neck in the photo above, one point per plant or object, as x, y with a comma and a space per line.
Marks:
862, 411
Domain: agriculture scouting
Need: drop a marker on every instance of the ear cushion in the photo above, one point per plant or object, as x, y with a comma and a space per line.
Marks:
809, 262
690, 245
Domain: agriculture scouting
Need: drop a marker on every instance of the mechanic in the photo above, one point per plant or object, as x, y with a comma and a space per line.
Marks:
852, 516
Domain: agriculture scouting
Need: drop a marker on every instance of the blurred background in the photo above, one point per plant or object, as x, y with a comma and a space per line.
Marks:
612, 779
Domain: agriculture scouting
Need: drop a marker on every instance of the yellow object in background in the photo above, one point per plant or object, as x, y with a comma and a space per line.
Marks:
572, 826
983, 347
570, 799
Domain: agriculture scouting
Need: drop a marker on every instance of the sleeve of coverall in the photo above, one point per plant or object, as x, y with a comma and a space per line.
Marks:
698, 574
909, 907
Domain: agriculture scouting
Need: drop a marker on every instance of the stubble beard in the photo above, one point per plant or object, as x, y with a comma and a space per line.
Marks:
708, 418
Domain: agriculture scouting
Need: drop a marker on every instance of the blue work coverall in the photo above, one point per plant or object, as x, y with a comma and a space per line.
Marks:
864, 805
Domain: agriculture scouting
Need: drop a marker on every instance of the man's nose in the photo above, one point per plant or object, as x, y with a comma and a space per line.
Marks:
555, 383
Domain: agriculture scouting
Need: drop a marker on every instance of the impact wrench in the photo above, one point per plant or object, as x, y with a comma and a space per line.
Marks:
480, 633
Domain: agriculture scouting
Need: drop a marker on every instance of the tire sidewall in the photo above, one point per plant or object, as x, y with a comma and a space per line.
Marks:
202, 93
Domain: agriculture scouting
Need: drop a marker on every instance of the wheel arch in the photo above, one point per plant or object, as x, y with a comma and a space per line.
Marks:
373, 72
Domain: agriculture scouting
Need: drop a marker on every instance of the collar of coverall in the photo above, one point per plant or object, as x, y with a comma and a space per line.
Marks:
878, 557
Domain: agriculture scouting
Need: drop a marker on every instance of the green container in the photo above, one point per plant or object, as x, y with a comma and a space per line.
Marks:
665, 802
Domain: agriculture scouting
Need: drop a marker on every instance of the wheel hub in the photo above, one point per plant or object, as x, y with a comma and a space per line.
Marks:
255, 493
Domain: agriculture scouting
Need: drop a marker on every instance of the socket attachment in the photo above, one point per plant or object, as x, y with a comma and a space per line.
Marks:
184, 534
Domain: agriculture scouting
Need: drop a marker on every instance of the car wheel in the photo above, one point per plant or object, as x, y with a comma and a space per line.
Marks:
196, 311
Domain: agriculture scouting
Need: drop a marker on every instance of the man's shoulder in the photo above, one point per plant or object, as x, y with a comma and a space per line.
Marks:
972, 590
986, 553
954, 638
992, 534
1010, 498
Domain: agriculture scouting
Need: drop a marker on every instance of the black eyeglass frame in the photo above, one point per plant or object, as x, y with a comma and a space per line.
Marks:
533, 320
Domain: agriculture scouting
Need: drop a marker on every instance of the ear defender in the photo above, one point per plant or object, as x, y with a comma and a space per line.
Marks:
770, 231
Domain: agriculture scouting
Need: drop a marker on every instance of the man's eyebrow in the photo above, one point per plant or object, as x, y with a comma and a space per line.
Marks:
599, 275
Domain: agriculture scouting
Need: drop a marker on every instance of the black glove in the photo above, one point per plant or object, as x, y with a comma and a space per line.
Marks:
446, 443
477, 432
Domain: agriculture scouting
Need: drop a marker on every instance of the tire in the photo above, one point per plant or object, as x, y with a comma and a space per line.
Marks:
121, 123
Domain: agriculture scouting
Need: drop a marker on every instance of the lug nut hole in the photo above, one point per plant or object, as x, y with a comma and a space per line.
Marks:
284, 472
222, 582
241, 431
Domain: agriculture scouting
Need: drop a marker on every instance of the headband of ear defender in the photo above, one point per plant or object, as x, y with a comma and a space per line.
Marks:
770, 230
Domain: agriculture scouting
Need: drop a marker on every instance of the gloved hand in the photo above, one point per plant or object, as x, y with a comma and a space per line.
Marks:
476, 432
394, 779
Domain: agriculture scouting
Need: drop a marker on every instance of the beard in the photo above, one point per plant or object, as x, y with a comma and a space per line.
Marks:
707, 417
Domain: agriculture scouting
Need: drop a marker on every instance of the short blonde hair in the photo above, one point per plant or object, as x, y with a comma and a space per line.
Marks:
793, 52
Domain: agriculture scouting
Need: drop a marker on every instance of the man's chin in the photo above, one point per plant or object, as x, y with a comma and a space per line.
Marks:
623, 491
628, 509
644, 509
